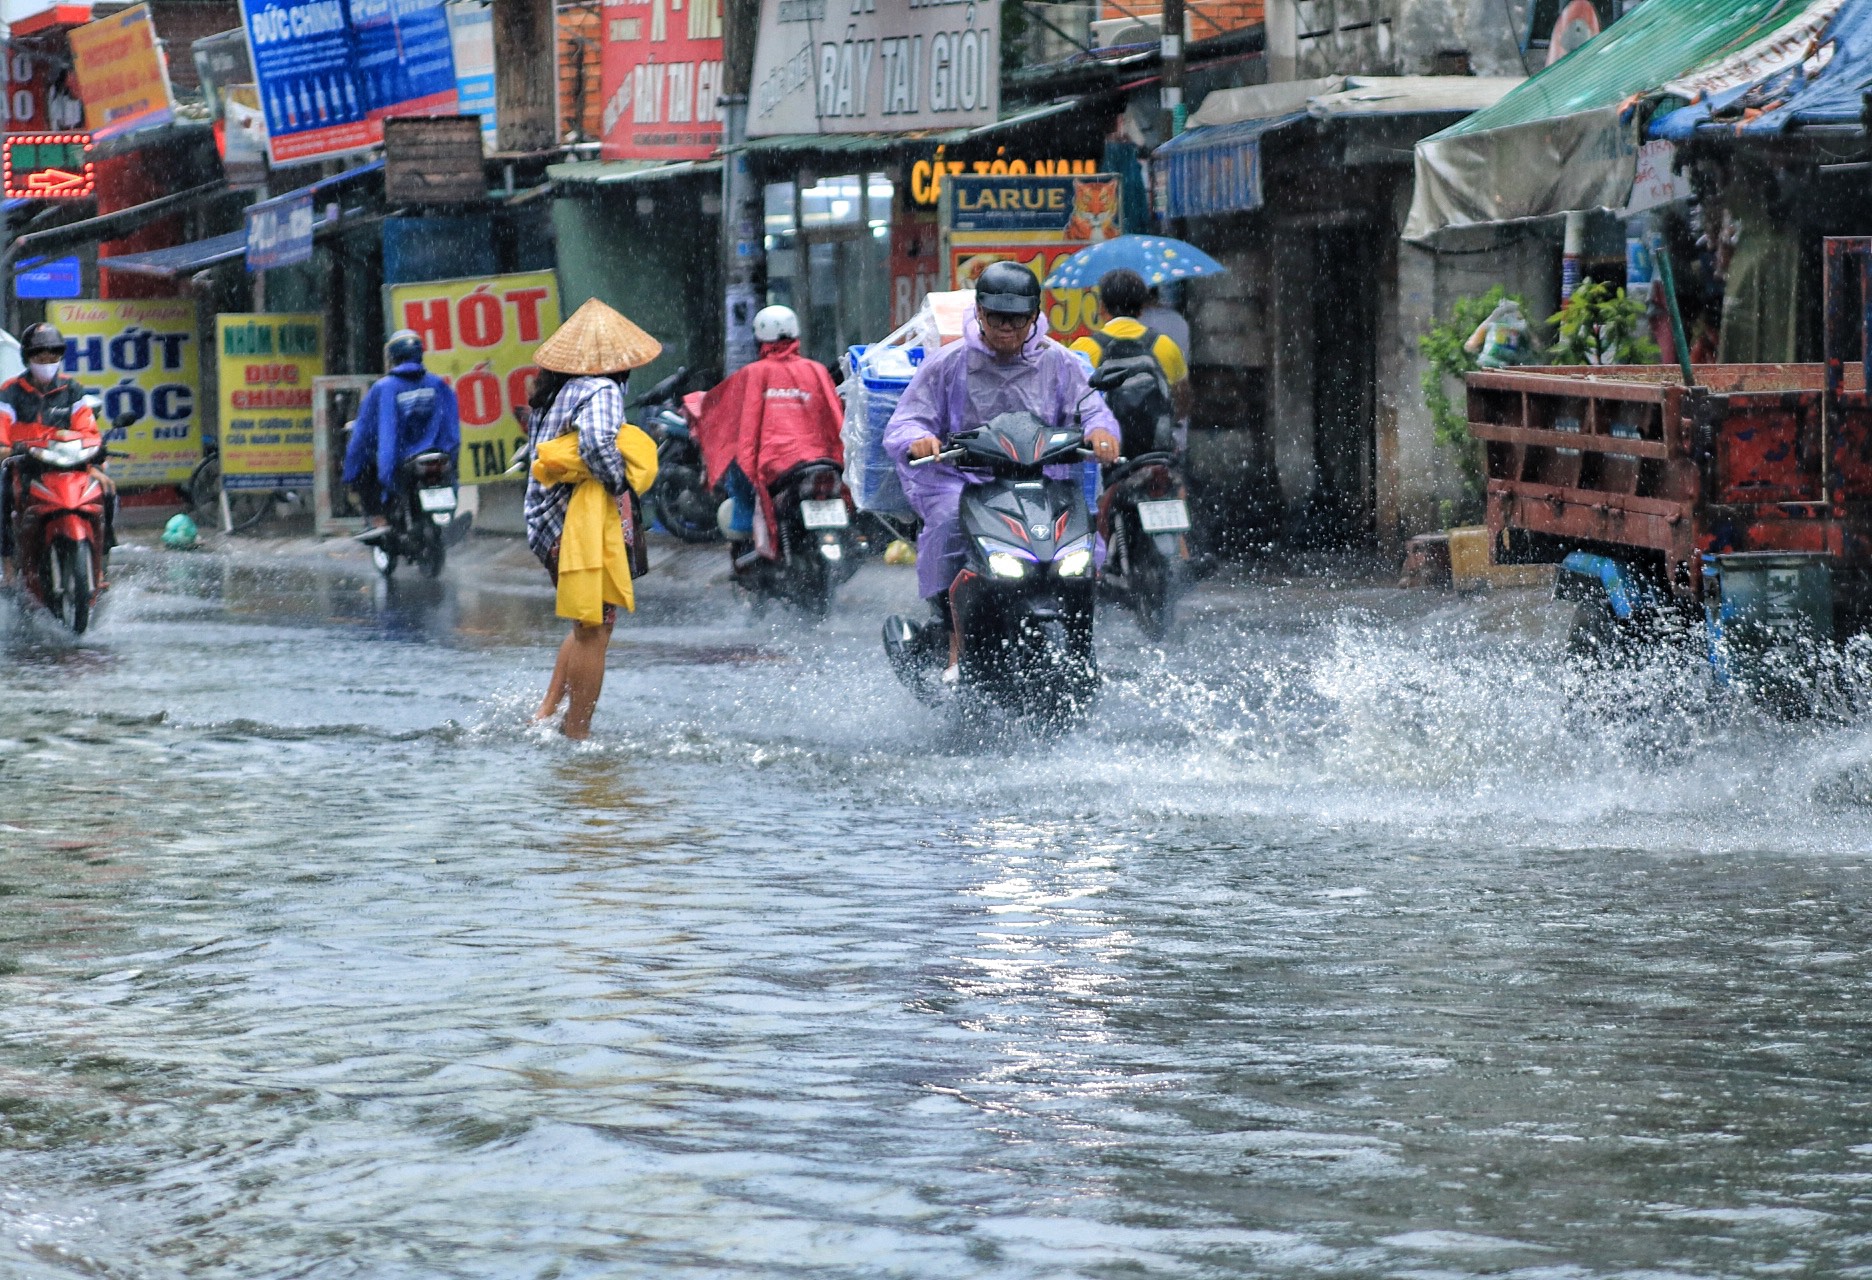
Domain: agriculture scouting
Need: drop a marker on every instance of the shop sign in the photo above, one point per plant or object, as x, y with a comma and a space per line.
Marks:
886, 66
279, 232
926, 176
40, 94
1656, 182
1035, 221
480, 335
221, 60
40, 278
140, 356
266, 366
121, 74
915, 263
660, 77
330, 71
47, 166
471, 32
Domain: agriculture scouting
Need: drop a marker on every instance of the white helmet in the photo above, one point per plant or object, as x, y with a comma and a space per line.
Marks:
772, 324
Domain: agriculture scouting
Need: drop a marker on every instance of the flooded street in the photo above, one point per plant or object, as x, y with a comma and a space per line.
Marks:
1341, 943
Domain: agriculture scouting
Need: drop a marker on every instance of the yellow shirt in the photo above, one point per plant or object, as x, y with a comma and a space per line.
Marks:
1168, 354
594, 564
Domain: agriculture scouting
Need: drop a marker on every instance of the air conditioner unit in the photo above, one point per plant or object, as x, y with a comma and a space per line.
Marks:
1145, 28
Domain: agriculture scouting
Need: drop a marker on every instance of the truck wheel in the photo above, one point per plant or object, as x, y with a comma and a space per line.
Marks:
1597, 637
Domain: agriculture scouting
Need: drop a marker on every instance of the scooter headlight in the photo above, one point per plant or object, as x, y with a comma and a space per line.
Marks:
1005, 561
1005, 564
62, 453
1074, 563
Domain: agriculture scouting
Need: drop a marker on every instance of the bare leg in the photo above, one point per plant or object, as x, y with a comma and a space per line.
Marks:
585, 669
555, 688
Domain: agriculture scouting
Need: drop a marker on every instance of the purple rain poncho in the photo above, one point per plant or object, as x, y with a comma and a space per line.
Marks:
963, 387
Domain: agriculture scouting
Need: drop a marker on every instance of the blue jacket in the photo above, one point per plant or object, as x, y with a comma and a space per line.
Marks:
406, 412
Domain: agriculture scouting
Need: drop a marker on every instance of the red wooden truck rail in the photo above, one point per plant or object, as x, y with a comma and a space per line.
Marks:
1627, 461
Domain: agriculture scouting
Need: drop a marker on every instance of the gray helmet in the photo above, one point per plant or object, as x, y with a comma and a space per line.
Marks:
42, 337
1008, 288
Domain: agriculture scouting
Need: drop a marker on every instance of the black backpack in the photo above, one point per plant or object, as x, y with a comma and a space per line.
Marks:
1135, 390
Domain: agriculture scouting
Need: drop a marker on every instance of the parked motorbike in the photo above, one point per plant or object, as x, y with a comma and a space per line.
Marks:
1144, 516
1024, 596
818, 549
421, 517
60, 531
681, 499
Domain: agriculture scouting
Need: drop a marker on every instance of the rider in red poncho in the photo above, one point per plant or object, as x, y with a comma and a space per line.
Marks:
765, 420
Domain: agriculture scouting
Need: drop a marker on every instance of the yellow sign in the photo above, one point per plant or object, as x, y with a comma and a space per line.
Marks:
926, 176
141, 358
480, 335
267, 363
120, 73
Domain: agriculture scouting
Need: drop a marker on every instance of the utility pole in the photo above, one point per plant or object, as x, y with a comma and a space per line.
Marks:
744, 244
526, 75
1173, 65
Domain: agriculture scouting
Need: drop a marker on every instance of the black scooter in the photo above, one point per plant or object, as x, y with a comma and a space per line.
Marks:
1144, 515
422, 523
1024, 596
680, 500
817, 550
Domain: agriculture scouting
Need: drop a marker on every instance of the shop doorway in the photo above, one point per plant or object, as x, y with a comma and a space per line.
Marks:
828, 257
1343, 508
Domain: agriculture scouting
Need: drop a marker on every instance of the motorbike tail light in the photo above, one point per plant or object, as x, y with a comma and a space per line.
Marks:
1159, 484
432, 470
823, 484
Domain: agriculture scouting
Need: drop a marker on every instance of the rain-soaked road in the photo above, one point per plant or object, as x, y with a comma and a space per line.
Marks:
1338, 946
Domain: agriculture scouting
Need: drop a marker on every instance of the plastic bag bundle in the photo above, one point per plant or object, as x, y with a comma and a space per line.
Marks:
876, 377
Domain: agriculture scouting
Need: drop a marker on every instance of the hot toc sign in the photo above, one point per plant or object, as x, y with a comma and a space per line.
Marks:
480, 335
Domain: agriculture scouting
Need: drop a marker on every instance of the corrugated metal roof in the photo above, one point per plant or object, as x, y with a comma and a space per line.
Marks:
1650, 46
1412, 95
872, 142
613, 173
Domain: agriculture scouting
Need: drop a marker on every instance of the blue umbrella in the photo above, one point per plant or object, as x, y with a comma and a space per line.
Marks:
1158, 259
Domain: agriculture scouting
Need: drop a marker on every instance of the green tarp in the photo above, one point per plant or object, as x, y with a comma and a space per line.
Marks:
1499, 165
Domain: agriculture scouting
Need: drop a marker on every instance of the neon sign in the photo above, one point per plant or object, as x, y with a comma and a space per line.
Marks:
47, 166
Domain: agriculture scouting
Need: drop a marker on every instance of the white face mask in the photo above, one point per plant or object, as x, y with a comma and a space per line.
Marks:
45, 372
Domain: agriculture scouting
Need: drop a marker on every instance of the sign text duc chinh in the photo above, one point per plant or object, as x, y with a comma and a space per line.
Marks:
267, 363
330, 71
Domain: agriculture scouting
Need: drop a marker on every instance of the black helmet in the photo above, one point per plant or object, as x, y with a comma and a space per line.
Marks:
1008, 289
404, 347
42, 337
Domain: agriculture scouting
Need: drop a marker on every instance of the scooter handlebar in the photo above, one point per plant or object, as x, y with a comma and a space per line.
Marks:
947, 455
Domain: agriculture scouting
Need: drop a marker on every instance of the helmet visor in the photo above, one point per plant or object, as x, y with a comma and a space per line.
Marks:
1008, 304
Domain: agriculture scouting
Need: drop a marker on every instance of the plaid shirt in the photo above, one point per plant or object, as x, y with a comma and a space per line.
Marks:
594, 407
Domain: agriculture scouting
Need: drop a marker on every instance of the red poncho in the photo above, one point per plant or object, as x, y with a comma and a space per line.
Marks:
774, 414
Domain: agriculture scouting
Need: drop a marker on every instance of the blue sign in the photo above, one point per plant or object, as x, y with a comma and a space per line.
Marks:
57, 278
279, 232
329, 71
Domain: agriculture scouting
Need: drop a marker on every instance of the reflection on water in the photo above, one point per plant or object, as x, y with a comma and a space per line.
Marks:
1351, 940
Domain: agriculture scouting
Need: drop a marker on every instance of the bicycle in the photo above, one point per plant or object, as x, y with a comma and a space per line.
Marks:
235, 510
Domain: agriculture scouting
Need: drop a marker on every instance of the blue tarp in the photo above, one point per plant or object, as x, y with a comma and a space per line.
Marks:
1218, 169
1822, 85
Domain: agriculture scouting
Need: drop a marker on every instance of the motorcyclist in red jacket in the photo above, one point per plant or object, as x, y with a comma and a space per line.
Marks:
34, 408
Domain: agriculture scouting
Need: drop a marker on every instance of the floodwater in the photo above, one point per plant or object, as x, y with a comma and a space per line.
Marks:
1343, 944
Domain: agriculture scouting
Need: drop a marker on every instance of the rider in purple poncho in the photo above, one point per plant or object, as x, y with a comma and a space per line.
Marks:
1005, 362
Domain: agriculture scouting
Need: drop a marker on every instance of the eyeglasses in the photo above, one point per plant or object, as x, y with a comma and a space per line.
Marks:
1001, 320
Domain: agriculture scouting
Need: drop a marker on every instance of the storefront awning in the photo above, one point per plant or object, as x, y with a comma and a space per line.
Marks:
863, 143
1814, 70
1568, 138
186, 259
605, 174
1217, 170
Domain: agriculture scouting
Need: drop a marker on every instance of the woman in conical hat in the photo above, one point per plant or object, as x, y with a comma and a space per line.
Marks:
586, 461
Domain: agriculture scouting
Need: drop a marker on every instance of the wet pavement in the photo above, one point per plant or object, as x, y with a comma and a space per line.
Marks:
1357, 936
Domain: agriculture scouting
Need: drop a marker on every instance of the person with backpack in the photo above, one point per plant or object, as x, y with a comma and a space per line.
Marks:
1141, 372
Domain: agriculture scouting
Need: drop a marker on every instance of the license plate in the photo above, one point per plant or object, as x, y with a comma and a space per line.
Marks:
824, 513
436, 499
1168, 516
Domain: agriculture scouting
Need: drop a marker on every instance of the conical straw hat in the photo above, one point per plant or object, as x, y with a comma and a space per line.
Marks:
596, 340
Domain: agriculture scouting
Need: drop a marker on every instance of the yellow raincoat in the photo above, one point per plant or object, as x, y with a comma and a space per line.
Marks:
594, 564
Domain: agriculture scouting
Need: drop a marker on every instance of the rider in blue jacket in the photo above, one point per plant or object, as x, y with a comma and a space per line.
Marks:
406, 412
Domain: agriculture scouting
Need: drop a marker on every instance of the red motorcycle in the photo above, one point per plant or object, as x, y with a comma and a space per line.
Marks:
57, 500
